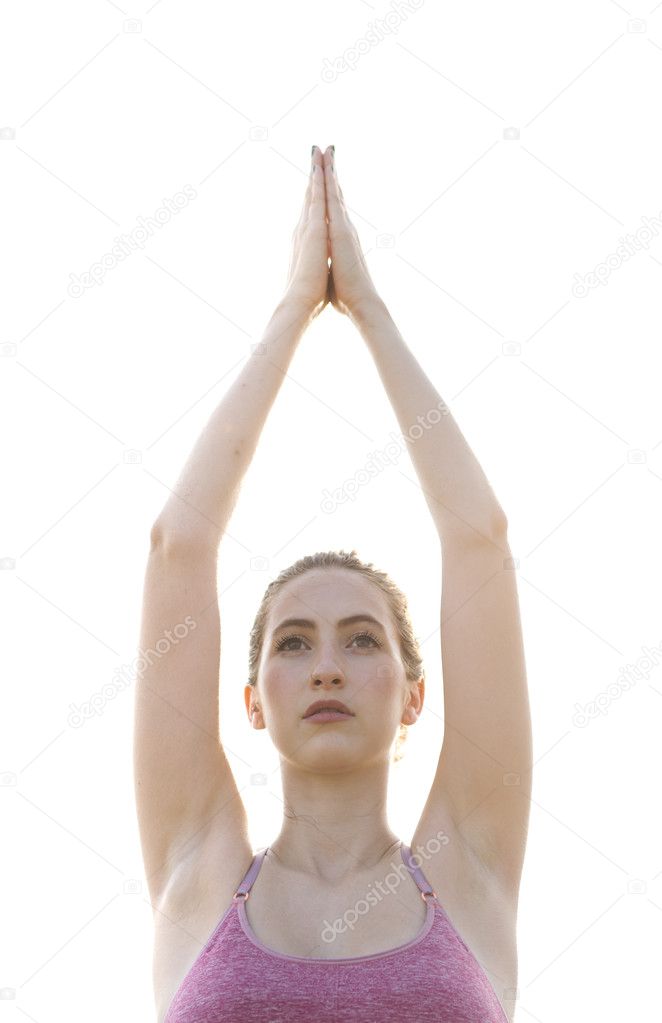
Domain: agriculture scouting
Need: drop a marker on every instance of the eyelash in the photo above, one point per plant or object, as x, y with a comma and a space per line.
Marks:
281, 642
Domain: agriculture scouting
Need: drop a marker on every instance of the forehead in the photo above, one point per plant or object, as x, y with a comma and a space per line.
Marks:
329, 594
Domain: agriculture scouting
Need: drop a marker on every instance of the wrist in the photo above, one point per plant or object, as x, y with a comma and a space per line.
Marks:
298, 308
369, 310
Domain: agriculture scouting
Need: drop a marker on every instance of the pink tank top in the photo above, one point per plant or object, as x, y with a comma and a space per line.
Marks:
434, 978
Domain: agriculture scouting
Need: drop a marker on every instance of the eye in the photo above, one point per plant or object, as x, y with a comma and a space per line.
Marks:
368, 635
282, 644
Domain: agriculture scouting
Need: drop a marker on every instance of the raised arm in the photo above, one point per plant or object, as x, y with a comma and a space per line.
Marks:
483, 778
185, 791
206, 492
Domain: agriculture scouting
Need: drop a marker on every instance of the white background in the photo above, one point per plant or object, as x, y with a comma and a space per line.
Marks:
491, 155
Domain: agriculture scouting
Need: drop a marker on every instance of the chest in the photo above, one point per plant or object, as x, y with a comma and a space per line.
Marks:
373, 915
294, 918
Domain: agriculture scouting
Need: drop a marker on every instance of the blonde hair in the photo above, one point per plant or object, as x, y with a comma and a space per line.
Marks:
397, 602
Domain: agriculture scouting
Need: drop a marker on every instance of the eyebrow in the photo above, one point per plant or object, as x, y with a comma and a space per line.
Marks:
305, 623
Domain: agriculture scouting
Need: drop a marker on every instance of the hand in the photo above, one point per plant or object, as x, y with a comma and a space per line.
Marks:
308, 278
350, 283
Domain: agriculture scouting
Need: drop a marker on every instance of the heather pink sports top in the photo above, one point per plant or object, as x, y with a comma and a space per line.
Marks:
434, 978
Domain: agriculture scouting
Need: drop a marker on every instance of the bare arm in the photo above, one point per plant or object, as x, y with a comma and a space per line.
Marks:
206, 492
483, 777
203, 499
189, 808
456, 489
458, 494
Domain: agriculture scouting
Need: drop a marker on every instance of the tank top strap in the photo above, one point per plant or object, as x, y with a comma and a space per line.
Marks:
419, 877
250, 875
416, 872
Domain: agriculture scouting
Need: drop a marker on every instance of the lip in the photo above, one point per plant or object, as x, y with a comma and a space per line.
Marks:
327, 715
330, 705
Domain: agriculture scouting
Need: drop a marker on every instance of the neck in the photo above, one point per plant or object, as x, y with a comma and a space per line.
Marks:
334, 826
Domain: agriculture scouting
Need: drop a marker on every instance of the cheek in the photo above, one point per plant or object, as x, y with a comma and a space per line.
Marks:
280, 686
387, 676
383, 686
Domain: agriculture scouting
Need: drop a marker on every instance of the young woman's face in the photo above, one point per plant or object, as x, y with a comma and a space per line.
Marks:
357, 663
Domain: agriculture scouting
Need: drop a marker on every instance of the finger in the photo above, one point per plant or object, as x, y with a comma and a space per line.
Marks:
335, 205
317, 203
303, 217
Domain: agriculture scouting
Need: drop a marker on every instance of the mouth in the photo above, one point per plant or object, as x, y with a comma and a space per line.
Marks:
330, 710
320, 716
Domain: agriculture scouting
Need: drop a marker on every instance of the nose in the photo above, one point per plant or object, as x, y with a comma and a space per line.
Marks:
327, 671
331, 676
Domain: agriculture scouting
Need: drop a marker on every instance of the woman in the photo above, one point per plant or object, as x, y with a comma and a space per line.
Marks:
345, 921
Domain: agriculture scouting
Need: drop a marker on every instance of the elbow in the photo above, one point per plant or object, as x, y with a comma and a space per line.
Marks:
161, 542
491, 529
155, 536
499, 524
165, 539
160, 537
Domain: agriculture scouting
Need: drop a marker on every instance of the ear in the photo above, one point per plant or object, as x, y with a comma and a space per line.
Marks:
414, 705
253, 708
